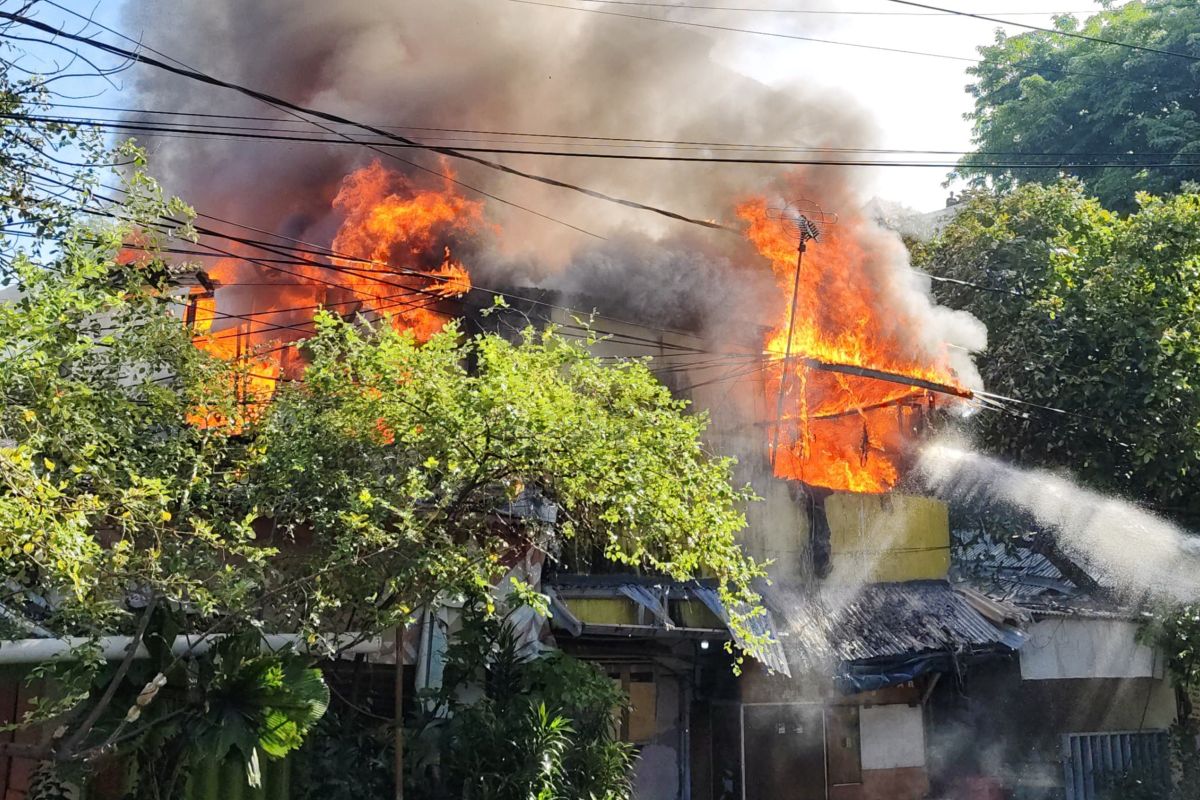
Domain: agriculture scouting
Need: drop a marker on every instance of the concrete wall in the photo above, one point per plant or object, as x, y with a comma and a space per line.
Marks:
1063, 648
657, 772
893, 753
892, 736
997, 725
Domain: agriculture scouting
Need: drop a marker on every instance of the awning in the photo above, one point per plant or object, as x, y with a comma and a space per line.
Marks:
763, 625
652, 595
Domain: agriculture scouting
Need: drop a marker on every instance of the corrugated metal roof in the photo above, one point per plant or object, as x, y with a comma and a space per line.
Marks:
1007, 570
772, 654
1013, 572
888, 620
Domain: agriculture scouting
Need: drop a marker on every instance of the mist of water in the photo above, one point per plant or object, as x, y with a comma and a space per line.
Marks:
1126, 548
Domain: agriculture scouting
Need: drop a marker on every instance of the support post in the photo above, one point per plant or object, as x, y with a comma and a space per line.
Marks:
399, 762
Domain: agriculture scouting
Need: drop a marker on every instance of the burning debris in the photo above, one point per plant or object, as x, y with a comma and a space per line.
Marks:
852, 375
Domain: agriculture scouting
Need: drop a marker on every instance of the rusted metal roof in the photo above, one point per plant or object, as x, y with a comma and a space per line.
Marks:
895, 620
1007, 570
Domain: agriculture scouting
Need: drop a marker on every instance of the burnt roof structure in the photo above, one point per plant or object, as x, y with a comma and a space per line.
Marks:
883, 634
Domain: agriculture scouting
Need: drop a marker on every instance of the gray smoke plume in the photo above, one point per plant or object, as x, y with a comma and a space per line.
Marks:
490, 65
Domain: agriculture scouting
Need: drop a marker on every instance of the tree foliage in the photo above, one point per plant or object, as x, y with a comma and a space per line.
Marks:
543, 726
1093, 314
134, 479
107, 486
398, 463
1045, 99
140, 494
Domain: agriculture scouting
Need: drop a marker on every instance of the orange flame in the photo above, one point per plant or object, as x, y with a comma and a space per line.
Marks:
255, 380
393, 258
391, 223
834, 430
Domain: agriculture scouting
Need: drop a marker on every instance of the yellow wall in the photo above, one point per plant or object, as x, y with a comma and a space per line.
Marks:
623, 611
888, 537
604, 610
694, 614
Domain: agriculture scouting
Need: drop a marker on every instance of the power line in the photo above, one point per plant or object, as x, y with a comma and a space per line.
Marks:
837, 12
797, 37
159, 130
1054, 31
757, 364
627, 142
375, 276
774, 34
326, 252
302, 327
588, 138
202, 77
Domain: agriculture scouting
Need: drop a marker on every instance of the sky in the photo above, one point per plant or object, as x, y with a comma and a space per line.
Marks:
915, 102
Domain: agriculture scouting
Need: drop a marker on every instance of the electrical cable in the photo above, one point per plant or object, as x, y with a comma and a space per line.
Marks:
837, 12
201, 77
1054, 31
329, 253
1060, 164
617, 141
797, 37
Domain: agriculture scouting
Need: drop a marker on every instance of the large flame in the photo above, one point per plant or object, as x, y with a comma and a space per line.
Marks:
393, 260
831, 429
390, 222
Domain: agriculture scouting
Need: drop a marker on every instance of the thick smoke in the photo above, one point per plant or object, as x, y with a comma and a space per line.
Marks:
489, 65
481, 65
1123, 546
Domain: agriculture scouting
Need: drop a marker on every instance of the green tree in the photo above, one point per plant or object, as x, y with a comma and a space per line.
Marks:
380, 482
115, 510
140, 495
541, 725
1091, 313
396, 462
1046, 98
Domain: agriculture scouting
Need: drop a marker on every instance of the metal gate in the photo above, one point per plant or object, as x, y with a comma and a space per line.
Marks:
1092, 760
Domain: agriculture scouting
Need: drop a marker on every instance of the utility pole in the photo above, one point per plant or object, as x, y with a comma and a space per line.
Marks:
787, 350
802, 227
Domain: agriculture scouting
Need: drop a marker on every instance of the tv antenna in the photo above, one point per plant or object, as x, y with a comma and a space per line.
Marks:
803, 221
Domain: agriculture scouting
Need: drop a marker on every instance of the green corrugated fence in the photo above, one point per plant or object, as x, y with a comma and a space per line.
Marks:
226, 780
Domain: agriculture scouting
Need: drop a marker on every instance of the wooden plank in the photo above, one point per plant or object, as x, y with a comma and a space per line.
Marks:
8, 715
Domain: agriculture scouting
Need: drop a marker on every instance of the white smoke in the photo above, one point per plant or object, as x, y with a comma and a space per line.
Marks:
1122, 546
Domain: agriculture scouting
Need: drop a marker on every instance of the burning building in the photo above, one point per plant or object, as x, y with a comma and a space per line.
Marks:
821, 363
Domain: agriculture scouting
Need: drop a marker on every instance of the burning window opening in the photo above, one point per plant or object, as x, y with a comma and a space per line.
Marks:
840, 358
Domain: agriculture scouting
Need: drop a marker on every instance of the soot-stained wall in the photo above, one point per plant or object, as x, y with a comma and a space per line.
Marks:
997, 725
